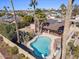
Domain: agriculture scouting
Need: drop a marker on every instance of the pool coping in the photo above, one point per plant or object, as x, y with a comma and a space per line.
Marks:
52, 37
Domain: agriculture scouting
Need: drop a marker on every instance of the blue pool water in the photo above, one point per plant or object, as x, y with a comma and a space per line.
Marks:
41, 46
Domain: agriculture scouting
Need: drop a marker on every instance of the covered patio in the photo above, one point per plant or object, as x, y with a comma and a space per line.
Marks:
54, 27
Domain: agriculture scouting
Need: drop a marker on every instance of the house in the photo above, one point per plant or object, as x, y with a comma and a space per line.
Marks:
9, 19
54, 25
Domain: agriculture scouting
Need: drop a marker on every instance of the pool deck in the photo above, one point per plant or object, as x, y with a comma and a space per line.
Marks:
52, 37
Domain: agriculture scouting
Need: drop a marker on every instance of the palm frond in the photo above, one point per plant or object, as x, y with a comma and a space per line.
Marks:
30, 5
33, 3
73, 1
5, 8
11, 1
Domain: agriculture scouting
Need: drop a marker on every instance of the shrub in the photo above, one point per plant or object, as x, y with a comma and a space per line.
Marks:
2, 14
22, 56
13, 50
27, 20
31, 35
21, 24
76, 52
7, 30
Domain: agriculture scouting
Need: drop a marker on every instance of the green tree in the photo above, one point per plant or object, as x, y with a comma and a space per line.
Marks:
7, 30
2, 14
26, 20
21, 14
76, 10
6, 11
34, 4
71, 49
63, 10
76, 52
41, 18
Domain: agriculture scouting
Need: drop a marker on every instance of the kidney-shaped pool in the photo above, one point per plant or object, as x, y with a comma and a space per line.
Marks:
41, 46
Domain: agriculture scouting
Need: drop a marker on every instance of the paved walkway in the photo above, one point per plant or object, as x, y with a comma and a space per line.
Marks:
1, 56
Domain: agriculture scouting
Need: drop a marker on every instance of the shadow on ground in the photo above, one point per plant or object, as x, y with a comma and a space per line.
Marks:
28, 50
14, 40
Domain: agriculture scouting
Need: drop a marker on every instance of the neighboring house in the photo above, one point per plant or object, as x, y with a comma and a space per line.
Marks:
1, 11
77, 17
9, 19
54, 25
53, 15
75, 21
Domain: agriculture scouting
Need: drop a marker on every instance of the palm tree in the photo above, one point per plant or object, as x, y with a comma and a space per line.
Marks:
75, 9
66, 28
63, 9
17, 31
41, 18
6, 11
34, 4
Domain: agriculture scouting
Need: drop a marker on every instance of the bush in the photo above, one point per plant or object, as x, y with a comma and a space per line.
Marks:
76, 52
13, 50
31, 35
22, 56
70, 44
28, 37
7, 30
27, 20
21, 24
2, 14
20, 14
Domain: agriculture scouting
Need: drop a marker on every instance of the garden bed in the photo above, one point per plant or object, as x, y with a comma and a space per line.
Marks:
10, 52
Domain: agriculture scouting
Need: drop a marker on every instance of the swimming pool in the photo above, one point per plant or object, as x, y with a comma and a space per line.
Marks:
41, 46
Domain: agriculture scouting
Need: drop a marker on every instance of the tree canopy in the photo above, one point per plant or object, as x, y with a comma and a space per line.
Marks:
76, 10
40, 15
63, 9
